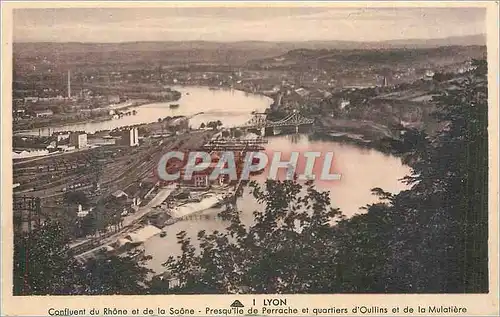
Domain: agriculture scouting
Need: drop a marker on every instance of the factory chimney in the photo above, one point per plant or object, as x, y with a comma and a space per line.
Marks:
69, 84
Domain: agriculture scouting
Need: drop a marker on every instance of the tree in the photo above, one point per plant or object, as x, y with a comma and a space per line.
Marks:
451, 184
212, 124
58, 109
88, 224
74, 198
272, 256
442, 76
113, 276
238, 133
43, 265
202, 125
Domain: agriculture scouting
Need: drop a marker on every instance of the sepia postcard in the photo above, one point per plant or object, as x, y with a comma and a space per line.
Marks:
206, 158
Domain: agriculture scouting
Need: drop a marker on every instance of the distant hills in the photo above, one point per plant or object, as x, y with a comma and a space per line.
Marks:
304, 59
212, 52
479, 39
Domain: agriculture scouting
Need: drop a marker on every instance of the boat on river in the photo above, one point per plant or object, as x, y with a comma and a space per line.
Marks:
174, 106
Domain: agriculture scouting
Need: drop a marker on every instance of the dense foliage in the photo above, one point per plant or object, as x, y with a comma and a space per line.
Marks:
43, 266
428, 239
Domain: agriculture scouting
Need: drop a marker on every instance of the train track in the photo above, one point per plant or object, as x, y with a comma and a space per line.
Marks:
140, 168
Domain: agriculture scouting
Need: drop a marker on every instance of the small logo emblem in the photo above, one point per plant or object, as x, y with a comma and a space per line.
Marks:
237, 303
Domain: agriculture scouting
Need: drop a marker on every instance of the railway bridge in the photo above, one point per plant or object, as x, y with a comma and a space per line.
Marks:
259, 122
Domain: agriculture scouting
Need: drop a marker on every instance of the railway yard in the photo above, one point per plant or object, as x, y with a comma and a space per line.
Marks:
97, 172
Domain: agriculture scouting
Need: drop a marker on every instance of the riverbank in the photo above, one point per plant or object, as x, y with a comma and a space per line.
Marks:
100, 118
232, 107
95, 115
384, 145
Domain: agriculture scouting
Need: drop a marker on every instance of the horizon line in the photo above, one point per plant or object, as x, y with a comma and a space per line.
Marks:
248, 41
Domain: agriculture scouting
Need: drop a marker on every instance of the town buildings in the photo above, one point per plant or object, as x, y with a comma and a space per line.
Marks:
43, 113
78, 140
130, 137
61, 136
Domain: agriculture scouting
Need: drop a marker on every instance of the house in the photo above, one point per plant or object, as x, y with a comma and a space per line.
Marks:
20, 112
83, 213
129, 199
136, 192
120, 194
61, 136
344, 103
113, 98
302, 92
43, 113
31, 99
199, 179
119, 201
429, 74
52, 147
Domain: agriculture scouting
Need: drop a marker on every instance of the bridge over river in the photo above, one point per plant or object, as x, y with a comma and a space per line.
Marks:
259, 122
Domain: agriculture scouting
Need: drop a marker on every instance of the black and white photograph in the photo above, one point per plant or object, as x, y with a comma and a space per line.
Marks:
240, 148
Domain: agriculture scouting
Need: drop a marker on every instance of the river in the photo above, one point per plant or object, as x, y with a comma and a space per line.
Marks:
360, 169
232, 107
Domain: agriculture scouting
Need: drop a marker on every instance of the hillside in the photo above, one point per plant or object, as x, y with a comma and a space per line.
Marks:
328, 59
234, 53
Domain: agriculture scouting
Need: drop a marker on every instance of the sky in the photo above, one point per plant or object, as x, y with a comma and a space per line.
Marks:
242, 24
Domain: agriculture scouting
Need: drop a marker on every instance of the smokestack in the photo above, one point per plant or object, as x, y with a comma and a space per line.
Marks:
69, 84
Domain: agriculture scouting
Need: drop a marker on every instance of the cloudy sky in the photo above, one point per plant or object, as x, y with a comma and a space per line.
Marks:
239, 24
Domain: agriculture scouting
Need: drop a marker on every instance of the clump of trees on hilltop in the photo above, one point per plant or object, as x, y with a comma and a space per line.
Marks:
432, 238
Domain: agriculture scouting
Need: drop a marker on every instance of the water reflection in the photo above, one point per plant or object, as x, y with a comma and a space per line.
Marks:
361, 169
295, 138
